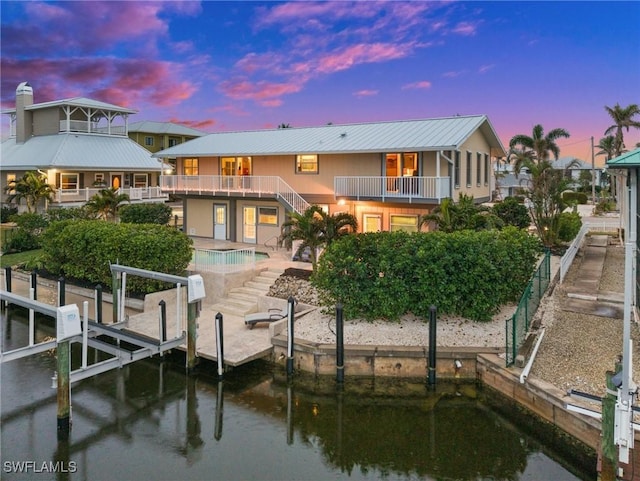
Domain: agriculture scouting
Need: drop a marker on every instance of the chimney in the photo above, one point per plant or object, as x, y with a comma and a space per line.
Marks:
24, 118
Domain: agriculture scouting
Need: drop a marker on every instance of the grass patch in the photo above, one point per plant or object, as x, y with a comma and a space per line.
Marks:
26, 257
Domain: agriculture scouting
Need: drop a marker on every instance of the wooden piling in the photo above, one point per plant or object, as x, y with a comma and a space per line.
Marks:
192, 310
114, 291
63, 353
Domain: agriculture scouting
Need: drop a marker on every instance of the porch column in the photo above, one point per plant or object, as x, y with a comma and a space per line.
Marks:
438, 194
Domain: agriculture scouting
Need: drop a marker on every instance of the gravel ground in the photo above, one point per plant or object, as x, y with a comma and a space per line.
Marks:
575, 353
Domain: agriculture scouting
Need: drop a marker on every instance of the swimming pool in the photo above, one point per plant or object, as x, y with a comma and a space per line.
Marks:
225, 260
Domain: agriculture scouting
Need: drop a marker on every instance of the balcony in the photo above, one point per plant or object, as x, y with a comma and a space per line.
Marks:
408, 189
92, 128
81, 196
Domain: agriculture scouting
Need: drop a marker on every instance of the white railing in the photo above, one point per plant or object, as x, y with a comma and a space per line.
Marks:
244, 185
91, 127
375, 187
84, 195
567, 259
207, 260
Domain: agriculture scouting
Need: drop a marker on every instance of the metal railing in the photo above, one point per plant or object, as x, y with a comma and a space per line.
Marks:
208, 260
410, 187
84, 126
518, 325
244, 185
84, 195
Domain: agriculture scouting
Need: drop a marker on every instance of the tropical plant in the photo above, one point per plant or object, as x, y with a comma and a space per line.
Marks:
540, 144
623, 118
607, 146
452, 216
32, 188
105, 204
146, 213
512, 213
316, 229
519, 157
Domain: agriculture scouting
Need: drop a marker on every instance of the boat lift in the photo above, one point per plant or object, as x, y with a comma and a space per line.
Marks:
71, 327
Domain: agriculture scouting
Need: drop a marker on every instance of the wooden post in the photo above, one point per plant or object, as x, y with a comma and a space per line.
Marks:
339, 344
431, 378
63, 352
192, 311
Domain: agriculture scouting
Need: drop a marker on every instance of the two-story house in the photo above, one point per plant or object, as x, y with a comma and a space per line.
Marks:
239, 186
157, 136
81, 145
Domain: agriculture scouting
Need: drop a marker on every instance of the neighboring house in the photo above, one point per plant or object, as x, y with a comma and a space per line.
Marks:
574, 168
507, 183
239, 186
81, 145
156, 136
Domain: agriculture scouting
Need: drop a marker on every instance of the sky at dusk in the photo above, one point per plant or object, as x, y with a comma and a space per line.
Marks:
219, 66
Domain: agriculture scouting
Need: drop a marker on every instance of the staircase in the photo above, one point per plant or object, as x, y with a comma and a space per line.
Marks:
244, 300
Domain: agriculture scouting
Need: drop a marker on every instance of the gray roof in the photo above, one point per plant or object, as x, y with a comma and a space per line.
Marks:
563, 163
399, 136
77, 151
164, 128
76, 102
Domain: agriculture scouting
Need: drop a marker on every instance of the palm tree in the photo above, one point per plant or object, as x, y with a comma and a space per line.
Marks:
32, 187
105, 204
519, 157
539, 143
623, 118
607, 146
316, 229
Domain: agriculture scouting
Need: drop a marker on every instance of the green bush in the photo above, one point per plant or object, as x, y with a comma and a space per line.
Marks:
150, 213
512, 213
69, 213
26, 235
569, 225
83, 249
6, 212
577, 197
388, 274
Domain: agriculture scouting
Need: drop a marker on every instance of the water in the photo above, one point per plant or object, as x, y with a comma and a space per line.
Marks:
150, 421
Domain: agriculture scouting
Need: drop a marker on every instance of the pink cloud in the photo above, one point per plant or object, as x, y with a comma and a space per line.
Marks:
263, 92
204, 125
365, 93
361, 53
453, 73
423, 84
465, 28
485, 68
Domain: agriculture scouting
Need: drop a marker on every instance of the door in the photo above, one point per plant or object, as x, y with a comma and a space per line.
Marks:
220, 221
249, 225
117, 180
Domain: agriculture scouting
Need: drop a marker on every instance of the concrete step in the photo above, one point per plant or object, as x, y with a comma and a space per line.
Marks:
248, 290
272, 273
260, 286
226, 308
245, 296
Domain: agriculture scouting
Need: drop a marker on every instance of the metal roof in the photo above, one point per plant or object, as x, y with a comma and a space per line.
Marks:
398, 136
76, 102
164, 128
565, 162
630, 160
77, 151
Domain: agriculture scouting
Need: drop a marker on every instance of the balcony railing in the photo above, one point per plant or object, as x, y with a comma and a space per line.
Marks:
84, 195
393, 188
91, 128
243, 185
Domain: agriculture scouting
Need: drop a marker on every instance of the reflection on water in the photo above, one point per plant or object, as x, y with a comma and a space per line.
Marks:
150, 421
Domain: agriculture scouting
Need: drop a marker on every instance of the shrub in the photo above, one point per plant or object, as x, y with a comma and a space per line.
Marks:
577, 197
69, 213
26, 236
83, 249
388, 274
569, 225
512, 213
6, 212
150, 213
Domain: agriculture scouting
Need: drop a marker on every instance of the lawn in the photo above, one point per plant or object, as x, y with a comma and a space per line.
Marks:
19, 258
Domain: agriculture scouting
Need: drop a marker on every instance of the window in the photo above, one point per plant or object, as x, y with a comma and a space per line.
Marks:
268, 215
69, 183
190, 166
486, 169
478, 168
407, 223
98, 178
140, 181
456, 169
371, 223
173, 142
468, 169
307, 164
148, 141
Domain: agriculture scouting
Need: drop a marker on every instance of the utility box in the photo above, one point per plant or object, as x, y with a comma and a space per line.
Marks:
68, 322
195, 288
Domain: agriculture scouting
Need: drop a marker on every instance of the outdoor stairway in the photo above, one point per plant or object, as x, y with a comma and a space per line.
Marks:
244, 300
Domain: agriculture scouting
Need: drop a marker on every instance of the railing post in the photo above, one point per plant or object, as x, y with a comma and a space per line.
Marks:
219, 345
115, 294
339, 344
98, 304
290, 305
61, 291
163, 321
34, 284
432, 346
7, 283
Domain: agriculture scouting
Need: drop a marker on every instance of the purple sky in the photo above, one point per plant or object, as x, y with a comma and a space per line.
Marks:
251, 65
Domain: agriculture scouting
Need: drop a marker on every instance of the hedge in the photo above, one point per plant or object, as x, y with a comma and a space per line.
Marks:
83, 249
146, 213
388, 274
